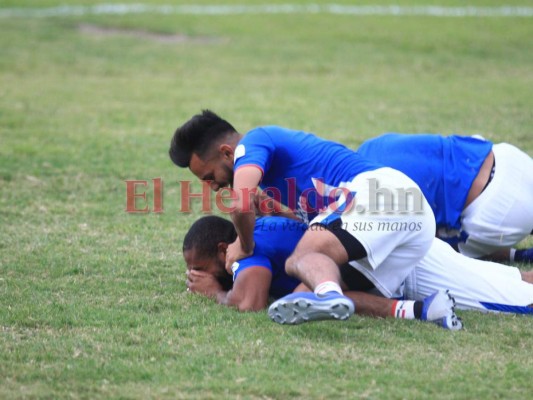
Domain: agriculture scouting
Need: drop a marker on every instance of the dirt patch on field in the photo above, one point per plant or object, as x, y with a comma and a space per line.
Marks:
100, 31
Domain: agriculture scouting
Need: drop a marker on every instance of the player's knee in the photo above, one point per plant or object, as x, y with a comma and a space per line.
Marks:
291, 265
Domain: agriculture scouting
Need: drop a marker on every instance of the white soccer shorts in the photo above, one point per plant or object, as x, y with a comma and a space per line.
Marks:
475, 284
392, 220
502, 215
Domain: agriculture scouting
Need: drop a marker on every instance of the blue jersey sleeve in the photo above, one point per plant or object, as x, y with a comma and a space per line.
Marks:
252, 261
257, 149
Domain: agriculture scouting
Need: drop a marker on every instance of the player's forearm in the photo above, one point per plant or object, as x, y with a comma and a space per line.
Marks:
230, 299
287, 213
219, 295
222, 297
244, 225
267, 205
245, 184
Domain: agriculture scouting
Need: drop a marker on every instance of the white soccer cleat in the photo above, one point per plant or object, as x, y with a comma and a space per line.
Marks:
297, 308
439, 308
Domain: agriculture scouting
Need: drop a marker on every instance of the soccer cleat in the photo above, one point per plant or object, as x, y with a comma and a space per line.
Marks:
439, 308
297, 308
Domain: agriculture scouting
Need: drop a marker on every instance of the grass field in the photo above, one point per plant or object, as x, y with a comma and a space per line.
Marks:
92, 299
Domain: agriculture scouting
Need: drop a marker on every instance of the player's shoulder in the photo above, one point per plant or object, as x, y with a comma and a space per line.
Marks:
250, 265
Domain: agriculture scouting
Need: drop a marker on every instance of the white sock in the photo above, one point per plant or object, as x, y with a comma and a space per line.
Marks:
511, 254
328, 286
404, 309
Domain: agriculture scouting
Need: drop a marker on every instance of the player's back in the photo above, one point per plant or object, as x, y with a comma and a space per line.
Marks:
443, 166
275, 240
293, 162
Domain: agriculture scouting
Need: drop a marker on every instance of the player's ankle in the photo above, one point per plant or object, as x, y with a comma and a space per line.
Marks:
326, 287
407, 309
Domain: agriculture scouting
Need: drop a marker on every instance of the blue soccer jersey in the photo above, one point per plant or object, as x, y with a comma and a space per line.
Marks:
299, 169
443, 166
275, 240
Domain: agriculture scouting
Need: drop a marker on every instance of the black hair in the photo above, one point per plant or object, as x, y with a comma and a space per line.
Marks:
196, 135
206, 233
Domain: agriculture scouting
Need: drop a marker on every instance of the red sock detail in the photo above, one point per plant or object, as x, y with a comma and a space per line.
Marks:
393, 309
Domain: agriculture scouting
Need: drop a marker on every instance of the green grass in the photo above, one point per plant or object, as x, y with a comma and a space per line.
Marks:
92, 301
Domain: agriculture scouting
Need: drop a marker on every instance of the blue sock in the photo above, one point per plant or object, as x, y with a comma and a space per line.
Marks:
524, 255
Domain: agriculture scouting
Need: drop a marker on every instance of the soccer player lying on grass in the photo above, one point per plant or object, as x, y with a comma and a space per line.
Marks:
481, 193
262, 274
383, 238
292, 163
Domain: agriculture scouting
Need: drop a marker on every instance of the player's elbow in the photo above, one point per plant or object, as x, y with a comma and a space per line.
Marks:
248, 305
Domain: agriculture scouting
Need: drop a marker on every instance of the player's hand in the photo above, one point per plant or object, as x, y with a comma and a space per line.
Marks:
235, 253
267, 206
264, 205
203, 283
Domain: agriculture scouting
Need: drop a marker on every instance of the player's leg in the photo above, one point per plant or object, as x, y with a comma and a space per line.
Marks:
501, 216
370, 305
383, 240
439, 308
317, 256
475, 284
314, 262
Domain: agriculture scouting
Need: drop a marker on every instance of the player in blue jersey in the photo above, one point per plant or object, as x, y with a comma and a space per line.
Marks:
211, 148
374, 217
481, 194
262, 274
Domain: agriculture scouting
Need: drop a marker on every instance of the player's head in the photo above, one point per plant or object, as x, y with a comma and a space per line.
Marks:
205, 245
206, 144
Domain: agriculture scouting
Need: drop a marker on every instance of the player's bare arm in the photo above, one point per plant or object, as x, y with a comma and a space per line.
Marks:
249, 292
268, 206
246, 180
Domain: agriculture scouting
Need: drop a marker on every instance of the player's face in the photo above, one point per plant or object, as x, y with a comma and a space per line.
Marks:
218, 169
212, 265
